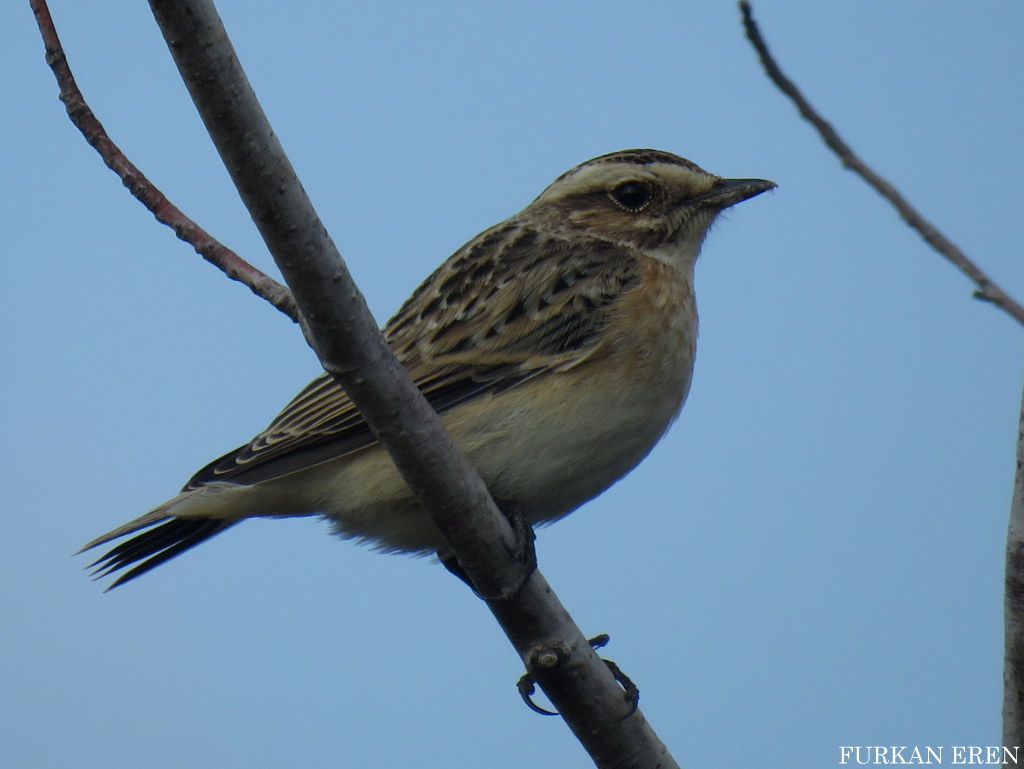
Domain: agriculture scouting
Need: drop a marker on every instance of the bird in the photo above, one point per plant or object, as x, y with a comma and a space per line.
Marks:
557, 347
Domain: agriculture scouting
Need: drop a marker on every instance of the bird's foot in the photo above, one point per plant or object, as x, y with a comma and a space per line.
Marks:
523, 551
549, 659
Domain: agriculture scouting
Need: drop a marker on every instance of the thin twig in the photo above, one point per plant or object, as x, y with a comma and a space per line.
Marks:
987, 289
142, 188
1013, 672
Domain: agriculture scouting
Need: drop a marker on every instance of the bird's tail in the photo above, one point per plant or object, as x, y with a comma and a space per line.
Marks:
173, 535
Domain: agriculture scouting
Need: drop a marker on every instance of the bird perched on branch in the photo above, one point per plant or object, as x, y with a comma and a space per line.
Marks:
557, 346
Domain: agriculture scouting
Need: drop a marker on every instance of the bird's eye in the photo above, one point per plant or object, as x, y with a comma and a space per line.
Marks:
632, 196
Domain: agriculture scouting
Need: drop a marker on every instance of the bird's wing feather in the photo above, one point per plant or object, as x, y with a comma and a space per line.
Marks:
505, 308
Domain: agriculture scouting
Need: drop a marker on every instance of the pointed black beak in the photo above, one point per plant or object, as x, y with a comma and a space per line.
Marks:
729, 192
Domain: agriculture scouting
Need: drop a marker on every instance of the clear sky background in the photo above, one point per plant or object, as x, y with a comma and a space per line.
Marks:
811, 558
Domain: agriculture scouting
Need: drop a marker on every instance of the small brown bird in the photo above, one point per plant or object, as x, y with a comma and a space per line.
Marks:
557, 347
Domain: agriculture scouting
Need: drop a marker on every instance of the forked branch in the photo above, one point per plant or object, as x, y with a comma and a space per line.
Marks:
345, 337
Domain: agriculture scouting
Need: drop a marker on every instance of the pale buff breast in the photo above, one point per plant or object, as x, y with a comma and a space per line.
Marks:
567, 437
550, 444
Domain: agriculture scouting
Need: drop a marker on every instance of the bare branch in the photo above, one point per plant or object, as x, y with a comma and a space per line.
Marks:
341, 330
143, 189
1013, 674
987, 289
1013, 608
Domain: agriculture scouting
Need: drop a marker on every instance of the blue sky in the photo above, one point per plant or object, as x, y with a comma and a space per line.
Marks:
811, 558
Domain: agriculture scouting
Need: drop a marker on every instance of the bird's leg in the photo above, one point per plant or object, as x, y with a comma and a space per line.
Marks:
523, 551
451, 563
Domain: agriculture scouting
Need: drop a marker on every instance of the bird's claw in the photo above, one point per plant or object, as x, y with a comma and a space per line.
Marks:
527, 684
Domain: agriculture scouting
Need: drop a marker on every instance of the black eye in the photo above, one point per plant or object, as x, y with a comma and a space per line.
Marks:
633, 196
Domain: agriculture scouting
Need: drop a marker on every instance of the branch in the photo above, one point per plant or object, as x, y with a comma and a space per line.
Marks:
987, 289
1013, 672
341, 330
1013, 607
143, 189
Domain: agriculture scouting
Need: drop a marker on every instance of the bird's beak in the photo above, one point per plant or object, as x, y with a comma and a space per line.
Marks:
729, 192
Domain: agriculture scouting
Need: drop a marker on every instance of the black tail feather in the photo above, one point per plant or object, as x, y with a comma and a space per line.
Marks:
155, 546
142, 545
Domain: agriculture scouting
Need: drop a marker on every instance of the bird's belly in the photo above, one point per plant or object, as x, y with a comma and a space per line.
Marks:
564, 443
548, 445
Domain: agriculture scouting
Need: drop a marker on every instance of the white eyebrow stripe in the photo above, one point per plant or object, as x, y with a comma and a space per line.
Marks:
600, 175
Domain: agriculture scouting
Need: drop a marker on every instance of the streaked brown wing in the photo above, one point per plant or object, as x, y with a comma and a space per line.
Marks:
505, 308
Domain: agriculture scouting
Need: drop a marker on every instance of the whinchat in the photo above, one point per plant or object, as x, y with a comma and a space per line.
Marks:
557, 347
